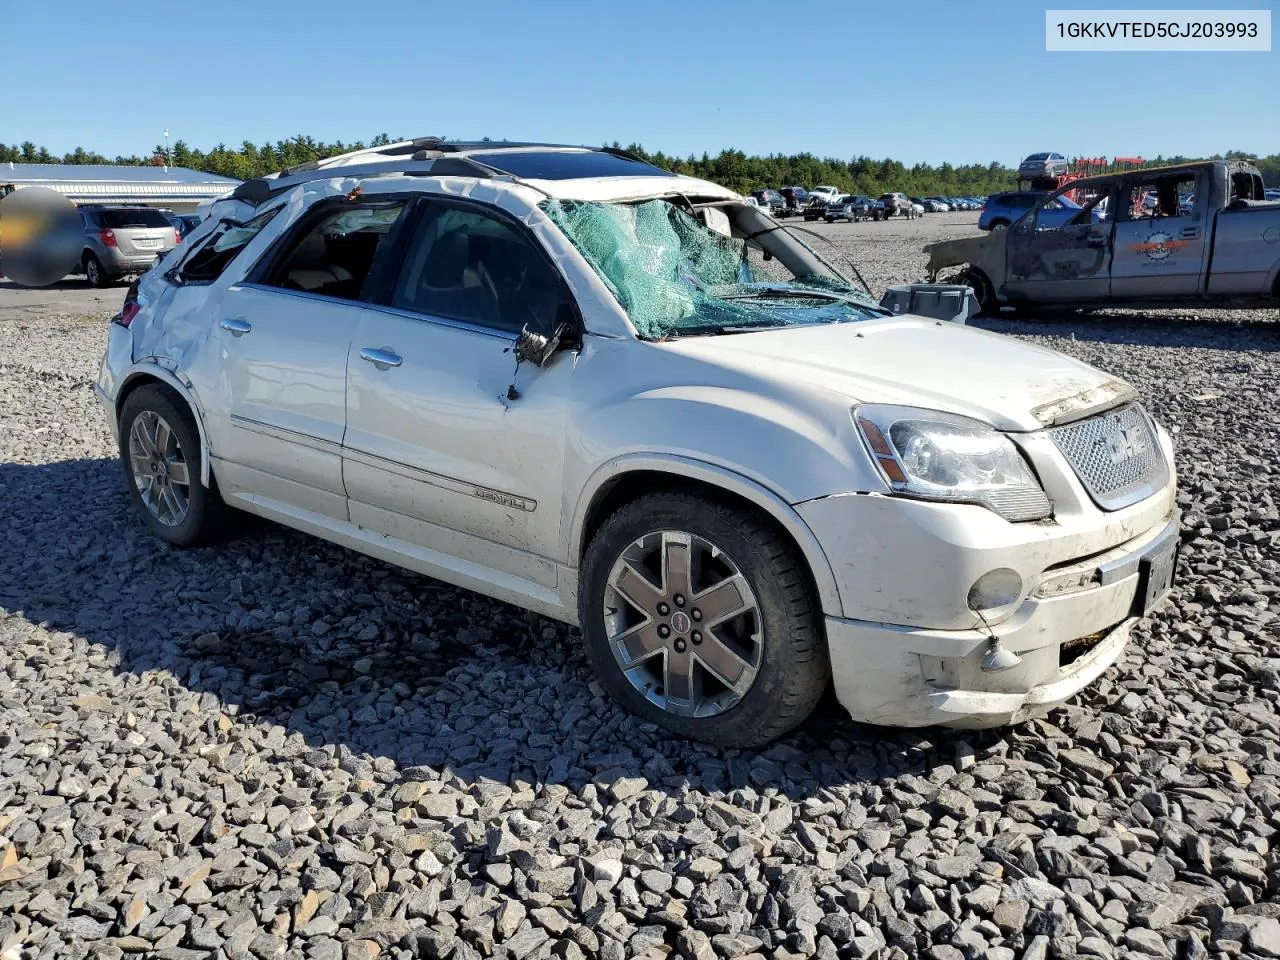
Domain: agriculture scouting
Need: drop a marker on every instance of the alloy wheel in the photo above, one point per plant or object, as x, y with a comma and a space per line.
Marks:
159, 468
683, 623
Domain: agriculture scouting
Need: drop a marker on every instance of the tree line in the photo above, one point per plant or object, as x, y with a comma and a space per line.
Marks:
732, 168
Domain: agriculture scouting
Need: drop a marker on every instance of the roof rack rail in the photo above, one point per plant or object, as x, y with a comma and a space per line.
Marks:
452, 167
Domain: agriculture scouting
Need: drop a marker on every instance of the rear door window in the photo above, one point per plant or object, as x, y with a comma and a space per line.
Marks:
1157, 197
332, 256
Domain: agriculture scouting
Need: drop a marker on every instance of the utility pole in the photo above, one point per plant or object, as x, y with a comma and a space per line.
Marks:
166, 149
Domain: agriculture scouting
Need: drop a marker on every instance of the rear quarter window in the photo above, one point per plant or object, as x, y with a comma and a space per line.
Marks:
208, 261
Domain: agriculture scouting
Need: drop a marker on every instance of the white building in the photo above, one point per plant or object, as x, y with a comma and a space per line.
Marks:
175, 188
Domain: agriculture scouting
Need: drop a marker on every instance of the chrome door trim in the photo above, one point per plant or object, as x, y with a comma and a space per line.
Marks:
500, 497
287, 435
448, 322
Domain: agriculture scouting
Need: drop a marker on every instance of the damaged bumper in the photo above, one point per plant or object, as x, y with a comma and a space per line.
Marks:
115, 361
1070, 625
898, 681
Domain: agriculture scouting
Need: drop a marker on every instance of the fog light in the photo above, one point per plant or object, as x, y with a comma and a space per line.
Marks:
991, 591
998, 658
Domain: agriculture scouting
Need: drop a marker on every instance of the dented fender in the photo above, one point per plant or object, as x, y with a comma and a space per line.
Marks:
986, 253
152, 368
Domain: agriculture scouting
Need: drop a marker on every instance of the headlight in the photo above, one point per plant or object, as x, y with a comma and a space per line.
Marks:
940, 456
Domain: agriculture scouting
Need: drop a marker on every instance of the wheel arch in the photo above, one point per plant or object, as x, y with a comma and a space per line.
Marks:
620, 481
145, 373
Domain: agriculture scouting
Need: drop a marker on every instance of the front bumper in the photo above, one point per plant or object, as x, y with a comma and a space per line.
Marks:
914, 677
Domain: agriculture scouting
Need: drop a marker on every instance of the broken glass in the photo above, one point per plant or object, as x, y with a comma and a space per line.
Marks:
675, 276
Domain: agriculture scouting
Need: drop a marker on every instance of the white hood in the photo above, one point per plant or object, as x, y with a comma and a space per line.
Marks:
923, 363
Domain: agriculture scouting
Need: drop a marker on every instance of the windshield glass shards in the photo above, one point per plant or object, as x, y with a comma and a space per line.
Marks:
677, 276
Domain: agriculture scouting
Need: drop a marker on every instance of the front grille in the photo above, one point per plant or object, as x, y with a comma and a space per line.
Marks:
1115, 455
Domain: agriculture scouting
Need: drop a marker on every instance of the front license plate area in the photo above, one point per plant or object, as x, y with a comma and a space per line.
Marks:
1155, 578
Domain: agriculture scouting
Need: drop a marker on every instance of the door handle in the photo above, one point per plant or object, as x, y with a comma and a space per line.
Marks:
382, 359
1093, 240
236, 326
1190, 233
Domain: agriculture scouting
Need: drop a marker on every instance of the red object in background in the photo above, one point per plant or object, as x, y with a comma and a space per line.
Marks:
108, 237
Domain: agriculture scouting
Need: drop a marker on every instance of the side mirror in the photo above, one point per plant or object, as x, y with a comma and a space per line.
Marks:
537, 348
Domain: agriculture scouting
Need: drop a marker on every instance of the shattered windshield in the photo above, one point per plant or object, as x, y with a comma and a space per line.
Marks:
680, 276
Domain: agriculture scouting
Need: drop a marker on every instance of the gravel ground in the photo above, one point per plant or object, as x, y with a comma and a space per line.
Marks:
278, 747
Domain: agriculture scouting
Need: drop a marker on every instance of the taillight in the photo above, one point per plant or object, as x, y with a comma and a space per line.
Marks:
127, 313
108, 237
177, 237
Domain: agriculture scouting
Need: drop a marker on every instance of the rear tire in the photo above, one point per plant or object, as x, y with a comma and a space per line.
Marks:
160, 453
94, 272
736, 560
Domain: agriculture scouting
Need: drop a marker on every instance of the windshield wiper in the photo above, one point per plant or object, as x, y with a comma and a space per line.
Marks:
779, 292
721, 329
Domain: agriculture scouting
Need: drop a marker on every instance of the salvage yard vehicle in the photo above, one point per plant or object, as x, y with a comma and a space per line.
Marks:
771, 200
1001, 209
1134, 240
1041, 165
796, 199
630, 401
898, 205
854, 207
122, 240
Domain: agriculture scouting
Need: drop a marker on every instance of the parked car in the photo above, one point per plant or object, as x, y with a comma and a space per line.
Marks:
796, 199
854, 207
1131, 242
1039, 165
896, 204
1271, 193
121, 240
815, 208
825, 193
183, 224
910, 509
1002, 209
936, 205
771, 199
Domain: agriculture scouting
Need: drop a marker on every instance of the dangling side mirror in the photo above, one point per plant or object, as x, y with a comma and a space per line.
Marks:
537, 348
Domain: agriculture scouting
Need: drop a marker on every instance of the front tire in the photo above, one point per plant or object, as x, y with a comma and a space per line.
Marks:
160, 453
699, 616
976, 280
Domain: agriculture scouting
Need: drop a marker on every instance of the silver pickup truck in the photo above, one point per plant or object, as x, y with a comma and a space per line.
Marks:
1194, 232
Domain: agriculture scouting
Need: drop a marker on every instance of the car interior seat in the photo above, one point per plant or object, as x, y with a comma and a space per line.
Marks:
310, 267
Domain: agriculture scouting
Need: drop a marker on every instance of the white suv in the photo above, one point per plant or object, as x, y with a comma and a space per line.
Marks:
632, 401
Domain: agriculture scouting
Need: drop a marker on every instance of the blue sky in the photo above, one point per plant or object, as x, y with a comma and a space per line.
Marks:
916, 81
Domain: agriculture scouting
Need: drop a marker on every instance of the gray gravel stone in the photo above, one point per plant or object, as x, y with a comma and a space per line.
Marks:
275, 747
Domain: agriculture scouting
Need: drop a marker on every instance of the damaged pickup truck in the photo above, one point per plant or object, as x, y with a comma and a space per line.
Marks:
634, 402
1193, 233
